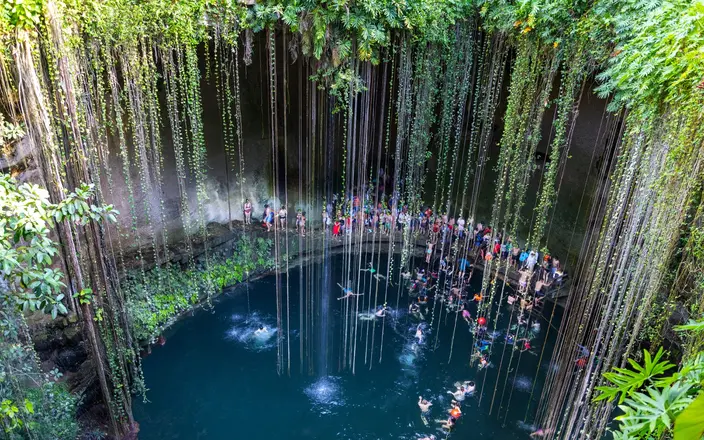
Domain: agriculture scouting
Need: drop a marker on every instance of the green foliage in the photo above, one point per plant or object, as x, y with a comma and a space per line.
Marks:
627, 381
692, 325
10, 416
169, 291
9, 132
19, 14
26, 247
662, 60
54, 412
32, 404
690, 424
666, 402
85, 296
332, 29
653, 412
552, 21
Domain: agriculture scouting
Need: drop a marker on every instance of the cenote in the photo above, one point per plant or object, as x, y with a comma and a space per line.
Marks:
214, 379
223, 219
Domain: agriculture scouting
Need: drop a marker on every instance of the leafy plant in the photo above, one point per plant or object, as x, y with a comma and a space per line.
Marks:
655, 405
10, 416
627, 381
85, 296
26, 247
163, 293
690, 424
30, 400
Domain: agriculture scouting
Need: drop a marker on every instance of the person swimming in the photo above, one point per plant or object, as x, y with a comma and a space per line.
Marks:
526, 344
381, 312
469, 387
370, 269
483, 344
455, 412
348, 293
484, 362
419, 333
414, 309
448, 424
458, 394
541, 433
424, 405
262, 330
467, 317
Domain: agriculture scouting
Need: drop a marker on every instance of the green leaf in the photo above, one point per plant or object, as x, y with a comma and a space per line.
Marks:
692, 325
689, 424
629, 381
28, 406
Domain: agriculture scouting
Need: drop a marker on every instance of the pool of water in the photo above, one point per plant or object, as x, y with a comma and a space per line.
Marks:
214, 380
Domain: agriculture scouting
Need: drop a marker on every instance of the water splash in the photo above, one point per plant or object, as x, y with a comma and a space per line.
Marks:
244, 328
525, 426
523, 383
325, 393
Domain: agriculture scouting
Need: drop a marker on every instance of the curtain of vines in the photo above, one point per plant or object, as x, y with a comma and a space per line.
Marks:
659, 161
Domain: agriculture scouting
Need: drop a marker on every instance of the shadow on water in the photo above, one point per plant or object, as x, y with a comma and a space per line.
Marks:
216, 379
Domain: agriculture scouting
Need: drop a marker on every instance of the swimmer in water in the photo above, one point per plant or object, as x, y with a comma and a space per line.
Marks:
424, 405
261, 331
419, 334
381, 312
483, 344
375, 274
541, 433
526, 344
455, 412
370, 269
348, 293
458, 394
467, 317
447, 424
469, 387
414, 309
483, 362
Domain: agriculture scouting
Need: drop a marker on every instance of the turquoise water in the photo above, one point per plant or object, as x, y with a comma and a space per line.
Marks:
214, 380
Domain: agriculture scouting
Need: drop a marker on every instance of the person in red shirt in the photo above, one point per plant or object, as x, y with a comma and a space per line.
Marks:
336, 229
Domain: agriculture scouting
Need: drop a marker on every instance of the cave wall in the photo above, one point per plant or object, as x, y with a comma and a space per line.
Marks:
565, 230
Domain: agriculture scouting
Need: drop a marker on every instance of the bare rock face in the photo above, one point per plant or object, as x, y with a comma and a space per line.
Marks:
59, 342
70, 359
21, 162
